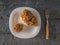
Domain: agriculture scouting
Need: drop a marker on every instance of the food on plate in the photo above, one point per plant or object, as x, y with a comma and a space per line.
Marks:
29, 18
18, 27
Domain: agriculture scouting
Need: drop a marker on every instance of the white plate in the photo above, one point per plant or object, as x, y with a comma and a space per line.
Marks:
27, 32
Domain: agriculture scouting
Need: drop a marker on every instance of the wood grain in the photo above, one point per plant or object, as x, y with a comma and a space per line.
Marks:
47, 31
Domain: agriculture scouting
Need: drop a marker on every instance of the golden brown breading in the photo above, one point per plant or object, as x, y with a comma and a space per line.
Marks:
18, 27
29, 18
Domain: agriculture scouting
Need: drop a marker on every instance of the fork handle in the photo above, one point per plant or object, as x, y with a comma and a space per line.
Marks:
47, 30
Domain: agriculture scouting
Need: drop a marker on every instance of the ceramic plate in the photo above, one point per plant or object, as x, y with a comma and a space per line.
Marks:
28, 31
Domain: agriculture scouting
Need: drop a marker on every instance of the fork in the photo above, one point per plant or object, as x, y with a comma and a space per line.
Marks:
47, 24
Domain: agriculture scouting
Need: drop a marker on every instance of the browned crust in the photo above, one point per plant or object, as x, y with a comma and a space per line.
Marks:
18, 27
29, 18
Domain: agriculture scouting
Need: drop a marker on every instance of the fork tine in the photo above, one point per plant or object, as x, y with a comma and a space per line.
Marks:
46, 13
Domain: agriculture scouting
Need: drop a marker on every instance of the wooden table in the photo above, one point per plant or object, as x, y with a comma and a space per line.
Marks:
6, 6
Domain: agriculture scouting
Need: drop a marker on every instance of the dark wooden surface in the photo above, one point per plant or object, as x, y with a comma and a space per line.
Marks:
6, 6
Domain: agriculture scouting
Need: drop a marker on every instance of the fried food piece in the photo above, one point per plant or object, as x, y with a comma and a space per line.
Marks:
29, 18
18, 27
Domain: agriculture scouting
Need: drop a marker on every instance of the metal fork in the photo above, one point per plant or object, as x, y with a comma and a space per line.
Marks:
47, 24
